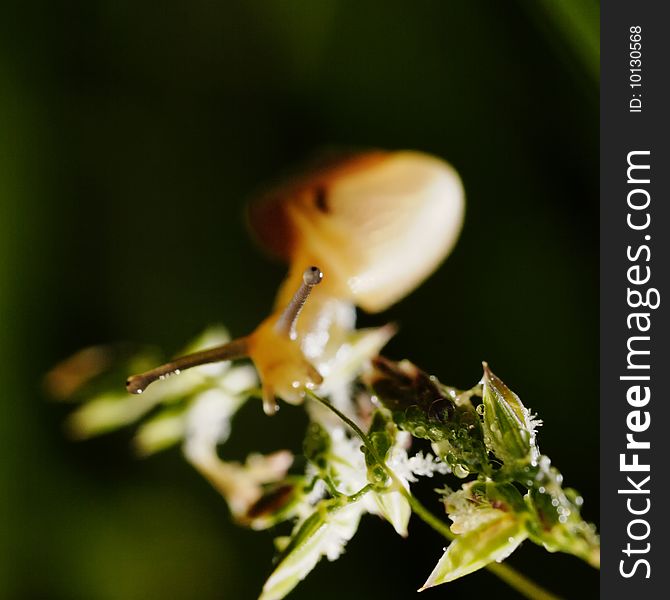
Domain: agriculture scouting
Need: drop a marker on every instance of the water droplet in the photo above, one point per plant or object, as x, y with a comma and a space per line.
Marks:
541, 489
579, 500
554, 502
461, 471
529, 483
420, 431
480, 409
562, 519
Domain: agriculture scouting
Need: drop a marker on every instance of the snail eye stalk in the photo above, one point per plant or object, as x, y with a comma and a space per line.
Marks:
238, 348
287, 320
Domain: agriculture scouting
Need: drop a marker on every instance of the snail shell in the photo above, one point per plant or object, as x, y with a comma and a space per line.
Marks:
378, 223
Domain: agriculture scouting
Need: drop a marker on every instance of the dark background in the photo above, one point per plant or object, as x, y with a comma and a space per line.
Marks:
131, 135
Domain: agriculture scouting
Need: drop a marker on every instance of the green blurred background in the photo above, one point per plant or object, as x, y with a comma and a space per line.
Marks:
131, 135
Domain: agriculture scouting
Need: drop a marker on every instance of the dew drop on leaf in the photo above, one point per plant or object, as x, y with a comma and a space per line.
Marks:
461, 471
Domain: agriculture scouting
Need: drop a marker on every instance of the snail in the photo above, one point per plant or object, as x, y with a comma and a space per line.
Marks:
363, 231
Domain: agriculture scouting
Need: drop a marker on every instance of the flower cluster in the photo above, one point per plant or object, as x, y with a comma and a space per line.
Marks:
358, 451
517, 493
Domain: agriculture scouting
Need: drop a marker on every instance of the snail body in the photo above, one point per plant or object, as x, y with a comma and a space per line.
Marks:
376, 224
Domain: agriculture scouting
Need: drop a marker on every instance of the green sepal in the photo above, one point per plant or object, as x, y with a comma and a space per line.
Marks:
382, 433
479, 502
508, 428
556, 522
316, 445
492, 541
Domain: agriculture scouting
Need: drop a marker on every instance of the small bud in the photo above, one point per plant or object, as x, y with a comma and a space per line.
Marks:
316, 445
382, 435
508, 428
424, 407
272, 507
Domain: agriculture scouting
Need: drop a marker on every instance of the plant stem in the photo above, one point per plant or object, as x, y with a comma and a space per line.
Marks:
520, 583
513, 578
357, 430
428, 517
359, 494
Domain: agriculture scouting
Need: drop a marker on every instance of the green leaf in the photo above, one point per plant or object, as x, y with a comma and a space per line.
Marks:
573, 28
495, 540
324, 533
